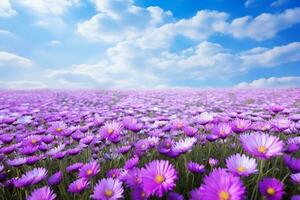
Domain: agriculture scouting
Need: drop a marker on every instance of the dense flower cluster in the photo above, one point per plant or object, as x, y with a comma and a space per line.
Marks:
175, 145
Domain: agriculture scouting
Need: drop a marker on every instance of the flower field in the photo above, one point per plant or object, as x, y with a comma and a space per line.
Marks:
155, 144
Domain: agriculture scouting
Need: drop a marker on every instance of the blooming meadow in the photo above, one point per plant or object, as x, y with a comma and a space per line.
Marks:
155, 144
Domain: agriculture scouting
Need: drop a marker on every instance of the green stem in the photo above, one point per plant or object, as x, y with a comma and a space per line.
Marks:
255, 191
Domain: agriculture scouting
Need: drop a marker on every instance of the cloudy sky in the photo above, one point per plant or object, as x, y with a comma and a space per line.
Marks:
149, 43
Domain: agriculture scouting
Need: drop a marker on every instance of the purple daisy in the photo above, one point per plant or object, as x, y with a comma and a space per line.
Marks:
37, 174
262, 145
33, 159
280, 124
195, 167
241, 125
296, 178
114, 173
205, 118
124, 149
43, 193
78, 185
31, 177
58, 128
241, 165
138, 193
74, 167
178, 124
28, 150
111, 131
158, 177
89, 170
156, 133
73, 151
56, 149
175, 196
213, 162
132, 124
295, 117
59, 155
16, 162
47, 138
87, 139
293, 145
271, 188
132, 162
153, 141
55, 179
141, 146
165, 146
292, 163
276, 108
222, 185
133, 178
7, 138
184, 145
190, 131
222, 130
195, 194
108, 189
32, 140
8, 149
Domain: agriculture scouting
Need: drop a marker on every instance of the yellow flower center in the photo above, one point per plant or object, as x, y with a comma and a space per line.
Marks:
168, 145
271, 191
113, 175
159, 179
224, 195
241, 169
222, 132
89, 172
108, 193
143, 194
33, 141
110, 131
262, 149
59, 129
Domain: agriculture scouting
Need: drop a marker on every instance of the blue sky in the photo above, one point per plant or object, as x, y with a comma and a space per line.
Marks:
149, 43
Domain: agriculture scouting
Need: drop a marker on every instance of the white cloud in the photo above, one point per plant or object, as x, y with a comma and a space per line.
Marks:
21, 85
143, 24
278, 3
198, 28
50, 22
249, 2
6, 33
48, 7
264, 26
49, 13
12, 60
54, 43
119, 20
273, 82
6, 10
127, 64
141, 40
103, 75
272, 57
